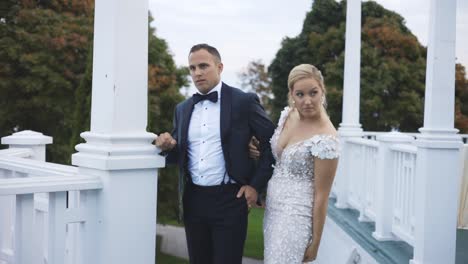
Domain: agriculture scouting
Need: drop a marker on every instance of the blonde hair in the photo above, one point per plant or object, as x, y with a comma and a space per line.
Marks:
305, 71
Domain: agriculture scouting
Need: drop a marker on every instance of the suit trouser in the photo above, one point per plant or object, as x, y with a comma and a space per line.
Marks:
215, 223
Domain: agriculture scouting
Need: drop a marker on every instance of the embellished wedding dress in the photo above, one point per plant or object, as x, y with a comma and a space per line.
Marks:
287, 225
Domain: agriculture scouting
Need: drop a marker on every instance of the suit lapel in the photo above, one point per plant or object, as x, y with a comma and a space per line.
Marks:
226, 103
184, 125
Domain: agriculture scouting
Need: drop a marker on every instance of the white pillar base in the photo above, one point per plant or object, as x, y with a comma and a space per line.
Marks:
127, 166
350, 130
437, 188
117, 152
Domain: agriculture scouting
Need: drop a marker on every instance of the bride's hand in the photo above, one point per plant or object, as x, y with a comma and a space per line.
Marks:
310, 254
254, 146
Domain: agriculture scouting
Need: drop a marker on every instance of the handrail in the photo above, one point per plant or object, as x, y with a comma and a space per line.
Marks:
13, 186
35, 167
373, 134
363, 141
17, 152
406, 148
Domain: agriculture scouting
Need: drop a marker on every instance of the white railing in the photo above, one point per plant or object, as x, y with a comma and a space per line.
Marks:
58, 214
363, 162
404, 169
380, 175
47, 211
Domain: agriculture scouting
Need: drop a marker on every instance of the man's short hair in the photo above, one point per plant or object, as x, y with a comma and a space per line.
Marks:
212, 50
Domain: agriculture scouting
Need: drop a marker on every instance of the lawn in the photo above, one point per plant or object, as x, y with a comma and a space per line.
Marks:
254, 245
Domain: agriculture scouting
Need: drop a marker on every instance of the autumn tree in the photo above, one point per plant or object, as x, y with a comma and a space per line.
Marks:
393, 65
461, 99
46, 76
43, 52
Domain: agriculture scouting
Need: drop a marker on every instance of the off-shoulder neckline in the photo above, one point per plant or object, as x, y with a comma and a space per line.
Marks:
327, 136
284, 118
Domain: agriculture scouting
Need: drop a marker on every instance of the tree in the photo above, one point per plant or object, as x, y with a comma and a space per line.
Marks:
392, 65
461, 99
165, 80
36, 89
46, 64
255, 79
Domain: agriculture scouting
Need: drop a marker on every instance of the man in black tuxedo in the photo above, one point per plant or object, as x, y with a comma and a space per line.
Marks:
209, 142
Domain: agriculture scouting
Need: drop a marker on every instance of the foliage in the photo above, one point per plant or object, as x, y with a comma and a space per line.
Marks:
255, 79
393, 66
36, 90
164, 82
461, 99
46, 64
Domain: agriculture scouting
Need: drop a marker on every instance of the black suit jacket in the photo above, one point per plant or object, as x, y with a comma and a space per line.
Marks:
242, 117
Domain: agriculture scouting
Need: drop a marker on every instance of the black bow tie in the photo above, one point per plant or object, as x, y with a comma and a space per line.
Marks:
213, 97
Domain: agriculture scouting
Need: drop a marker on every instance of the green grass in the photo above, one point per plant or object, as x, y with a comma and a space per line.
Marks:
254, 245
172, 222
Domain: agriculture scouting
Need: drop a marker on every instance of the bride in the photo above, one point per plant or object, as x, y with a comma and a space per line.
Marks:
306, 150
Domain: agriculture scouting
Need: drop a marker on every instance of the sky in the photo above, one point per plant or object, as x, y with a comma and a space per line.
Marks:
246, 30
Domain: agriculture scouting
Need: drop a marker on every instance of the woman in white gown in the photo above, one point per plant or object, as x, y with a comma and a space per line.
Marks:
306, 150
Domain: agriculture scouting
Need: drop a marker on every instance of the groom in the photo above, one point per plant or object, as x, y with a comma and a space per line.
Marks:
209, 142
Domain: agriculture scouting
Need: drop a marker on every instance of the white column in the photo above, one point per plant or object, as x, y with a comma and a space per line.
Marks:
29, 139
350, 126
438, 158
384, 184
352, 67
118, 149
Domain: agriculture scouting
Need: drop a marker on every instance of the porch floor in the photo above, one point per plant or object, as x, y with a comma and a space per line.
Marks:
386, 251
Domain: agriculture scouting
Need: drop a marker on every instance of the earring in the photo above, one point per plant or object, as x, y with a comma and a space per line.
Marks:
324, 102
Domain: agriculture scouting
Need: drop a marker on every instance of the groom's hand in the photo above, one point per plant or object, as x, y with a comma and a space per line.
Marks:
250, 195
165, 142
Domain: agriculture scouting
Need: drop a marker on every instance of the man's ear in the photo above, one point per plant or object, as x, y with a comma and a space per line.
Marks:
220, 67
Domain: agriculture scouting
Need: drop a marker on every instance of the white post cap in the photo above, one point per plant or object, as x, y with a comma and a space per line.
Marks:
27, 137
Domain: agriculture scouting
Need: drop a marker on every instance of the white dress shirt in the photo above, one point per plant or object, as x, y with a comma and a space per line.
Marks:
206, 162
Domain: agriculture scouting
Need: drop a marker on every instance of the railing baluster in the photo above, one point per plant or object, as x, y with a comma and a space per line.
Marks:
57, 227
24, 229
88, 229
361, 185
413, 194
397, 188
72, 229
404, 188
40, 216
405, 193
7, 205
